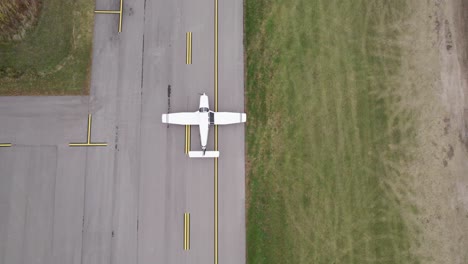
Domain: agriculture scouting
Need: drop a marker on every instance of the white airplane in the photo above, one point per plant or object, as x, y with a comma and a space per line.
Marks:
204, 117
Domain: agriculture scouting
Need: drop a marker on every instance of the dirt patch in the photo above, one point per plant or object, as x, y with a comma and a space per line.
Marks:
438, 172
462, 41
464, 133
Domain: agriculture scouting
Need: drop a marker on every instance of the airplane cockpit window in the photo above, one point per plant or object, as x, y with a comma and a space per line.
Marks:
204, 109
211, 118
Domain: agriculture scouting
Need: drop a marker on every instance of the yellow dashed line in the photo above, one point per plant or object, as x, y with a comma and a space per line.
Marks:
188, 59
186, 231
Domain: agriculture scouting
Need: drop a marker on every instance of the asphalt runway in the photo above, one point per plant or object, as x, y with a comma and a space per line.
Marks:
125, 203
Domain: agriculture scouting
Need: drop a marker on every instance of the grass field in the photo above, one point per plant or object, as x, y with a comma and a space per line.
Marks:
54, 56
16, 17
324, 138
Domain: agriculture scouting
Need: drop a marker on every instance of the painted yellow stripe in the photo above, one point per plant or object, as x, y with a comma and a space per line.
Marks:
216, 56
216, 210
189, 138
186, 139
90, 118
120, 16
188, 43
119, 12
87, 145
216, 138
5, 145
186, 231
88, 142
107, 11
190, 48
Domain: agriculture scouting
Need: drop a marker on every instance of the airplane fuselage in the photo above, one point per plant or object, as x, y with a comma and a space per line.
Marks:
204, 126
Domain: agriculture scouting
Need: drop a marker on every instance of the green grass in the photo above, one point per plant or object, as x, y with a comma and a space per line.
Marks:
325, 133
55, 55
16, 16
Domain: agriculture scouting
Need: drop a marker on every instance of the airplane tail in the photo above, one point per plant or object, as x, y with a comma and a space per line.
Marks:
204, 154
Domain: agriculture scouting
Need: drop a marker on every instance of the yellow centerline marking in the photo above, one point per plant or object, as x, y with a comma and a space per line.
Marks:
216, 210
216, 138
186, 231
113, 12
88, 142
188, 59
5, 145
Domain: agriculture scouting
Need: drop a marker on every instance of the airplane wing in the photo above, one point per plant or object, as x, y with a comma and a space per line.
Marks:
226, 118
181, 118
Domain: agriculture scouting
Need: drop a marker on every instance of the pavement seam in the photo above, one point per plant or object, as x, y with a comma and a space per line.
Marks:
139, 143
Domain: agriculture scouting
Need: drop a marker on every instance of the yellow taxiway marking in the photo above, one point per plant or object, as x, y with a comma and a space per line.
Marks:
186, 231
119, 12
188, 60
216, 210
5, 145
88, 142
187, 138
216, 138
